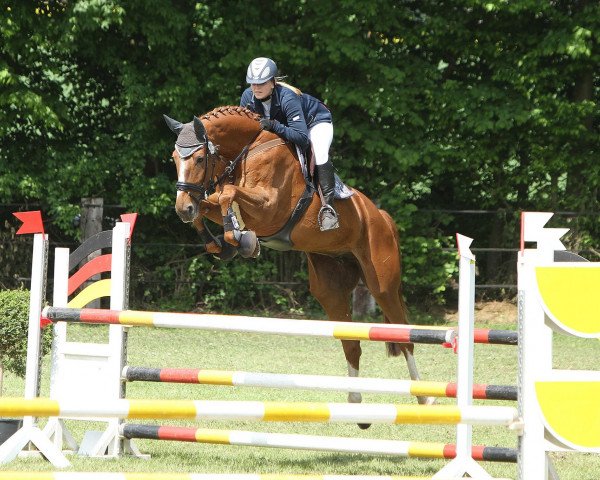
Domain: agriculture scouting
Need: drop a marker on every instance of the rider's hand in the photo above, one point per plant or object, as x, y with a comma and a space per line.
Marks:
267, 124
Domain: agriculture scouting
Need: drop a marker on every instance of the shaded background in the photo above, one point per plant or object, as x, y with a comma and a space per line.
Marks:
451, 115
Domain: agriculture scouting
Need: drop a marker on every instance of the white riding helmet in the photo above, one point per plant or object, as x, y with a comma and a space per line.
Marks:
261, 70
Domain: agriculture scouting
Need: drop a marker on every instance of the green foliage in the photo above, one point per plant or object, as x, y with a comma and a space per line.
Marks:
13, 262
464, 104
14, 322
206, 283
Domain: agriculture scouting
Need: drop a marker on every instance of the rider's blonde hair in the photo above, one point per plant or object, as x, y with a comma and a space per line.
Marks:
296, 90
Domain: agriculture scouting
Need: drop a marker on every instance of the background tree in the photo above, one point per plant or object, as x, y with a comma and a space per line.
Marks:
438, 105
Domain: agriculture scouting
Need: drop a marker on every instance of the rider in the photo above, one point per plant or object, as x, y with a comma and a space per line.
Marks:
297, 117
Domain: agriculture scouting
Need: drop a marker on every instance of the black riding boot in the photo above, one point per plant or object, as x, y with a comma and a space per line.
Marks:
328, 219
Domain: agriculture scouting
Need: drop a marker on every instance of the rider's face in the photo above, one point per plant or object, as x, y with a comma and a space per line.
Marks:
263, 90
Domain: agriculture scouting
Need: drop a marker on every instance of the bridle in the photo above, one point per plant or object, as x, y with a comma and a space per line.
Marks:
204, 188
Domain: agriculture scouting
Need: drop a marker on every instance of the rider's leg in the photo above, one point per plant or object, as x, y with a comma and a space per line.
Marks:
321, 136
328, 216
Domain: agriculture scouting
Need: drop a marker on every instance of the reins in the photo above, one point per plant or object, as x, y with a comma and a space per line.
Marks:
233, 163
207, 191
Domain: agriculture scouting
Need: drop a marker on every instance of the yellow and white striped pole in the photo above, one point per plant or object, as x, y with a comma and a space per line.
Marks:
260, 411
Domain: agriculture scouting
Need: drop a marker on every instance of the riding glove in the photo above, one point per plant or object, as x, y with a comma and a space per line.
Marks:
267, 124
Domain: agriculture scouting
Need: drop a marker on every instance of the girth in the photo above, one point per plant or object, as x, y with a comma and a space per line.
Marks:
282, 239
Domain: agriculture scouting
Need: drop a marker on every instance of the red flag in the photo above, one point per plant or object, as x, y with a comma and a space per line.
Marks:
44, 321
32, 222
129, 218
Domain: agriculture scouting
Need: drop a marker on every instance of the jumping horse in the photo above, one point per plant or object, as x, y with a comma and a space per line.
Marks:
251, 182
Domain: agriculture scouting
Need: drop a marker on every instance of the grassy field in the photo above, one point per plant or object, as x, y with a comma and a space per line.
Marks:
270, 353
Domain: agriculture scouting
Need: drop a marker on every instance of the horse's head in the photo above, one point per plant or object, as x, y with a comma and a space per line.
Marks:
191, 155
206, 153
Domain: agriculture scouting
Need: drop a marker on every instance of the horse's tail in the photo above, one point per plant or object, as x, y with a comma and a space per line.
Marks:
395, 349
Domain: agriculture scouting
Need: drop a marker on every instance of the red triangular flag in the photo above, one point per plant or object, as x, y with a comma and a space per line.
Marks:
44, 321
129, 218
32, 222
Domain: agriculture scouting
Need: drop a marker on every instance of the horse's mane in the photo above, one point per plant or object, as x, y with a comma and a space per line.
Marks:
230, 110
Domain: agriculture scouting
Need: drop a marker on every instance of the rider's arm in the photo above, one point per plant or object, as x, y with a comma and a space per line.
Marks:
296, 130
246, 100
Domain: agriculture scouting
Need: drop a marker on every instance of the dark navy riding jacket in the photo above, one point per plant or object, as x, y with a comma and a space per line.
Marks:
295, 113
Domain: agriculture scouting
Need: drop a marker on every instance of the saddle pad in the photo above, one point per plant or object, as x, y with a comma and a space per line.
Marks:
342, 191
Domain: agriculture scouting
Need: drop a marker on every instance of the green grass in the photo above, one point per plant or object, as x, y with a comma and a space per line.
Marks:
280, 354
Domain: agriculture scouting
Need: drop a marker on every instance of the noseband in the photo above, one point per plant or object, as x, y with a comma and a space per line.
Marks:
201, 188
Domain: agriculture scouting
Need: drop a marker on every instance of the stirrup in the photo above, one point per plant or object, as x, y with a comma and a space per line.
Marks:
325, 223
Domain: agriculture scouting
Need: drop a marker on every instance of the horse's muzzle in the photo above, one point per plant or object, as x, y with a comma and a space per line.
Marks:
186, 208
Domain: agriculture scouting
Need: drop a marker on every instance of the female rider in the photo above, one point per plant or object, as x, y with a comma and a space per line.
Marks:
297, 117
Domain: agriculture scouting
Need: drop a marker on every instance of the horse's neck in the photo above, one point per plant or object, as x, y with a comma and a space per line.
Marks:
232, 133
232, 136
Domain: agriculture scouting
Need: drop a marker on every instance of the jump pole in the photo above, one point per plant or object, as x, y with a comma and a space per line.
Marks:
313, 382
314, 442
241, 323
260, 411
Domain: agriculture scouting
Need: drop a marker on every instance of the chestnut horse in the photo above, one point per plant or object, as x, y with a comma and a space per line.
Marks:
250, 181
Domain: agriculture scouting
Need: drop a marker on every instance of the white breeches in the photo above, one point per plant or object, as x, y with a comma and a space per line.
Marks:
321, 136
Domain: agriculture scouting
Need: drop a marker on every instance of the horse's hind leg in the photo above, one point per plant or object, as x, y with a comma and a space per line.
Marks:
380, 264
332, 281
407, 349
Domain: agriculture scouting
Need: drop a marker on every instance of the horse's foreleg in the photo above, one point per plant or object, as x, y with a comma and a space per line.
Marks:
248, 199
212, 244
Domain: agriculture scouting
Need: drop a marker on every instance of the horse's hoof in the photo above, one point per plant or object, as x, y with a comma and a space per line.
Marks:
227, 251
363, 426
249, 245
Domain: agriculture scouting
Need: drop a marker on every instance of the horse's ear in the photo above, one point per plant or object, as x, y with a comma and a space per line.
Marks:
199, 129
174, 125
